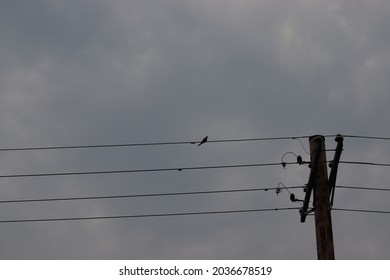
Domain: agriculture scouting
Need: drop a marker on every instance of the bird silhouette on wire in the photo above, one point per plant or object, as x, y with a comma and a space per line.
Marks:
203, 141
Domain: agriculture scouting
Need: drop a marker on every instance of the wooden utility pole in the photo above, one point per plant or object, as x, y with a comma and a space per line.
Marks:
323, 220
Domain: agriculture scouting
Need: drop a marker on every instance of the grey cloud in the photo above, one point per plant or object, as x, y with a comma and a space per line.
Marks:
83, 72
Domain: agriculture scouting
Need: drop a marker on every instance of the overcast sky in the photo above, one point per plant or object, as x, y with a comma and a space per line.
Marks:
106, 72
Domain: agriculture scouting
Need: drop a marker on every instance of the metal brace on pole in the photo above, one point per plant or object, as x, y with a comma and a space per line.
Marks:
311, 183
334, 166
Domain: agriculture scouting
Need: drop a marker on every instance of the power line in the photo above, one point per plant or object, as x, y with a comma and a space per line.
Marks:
362, 211
147, 215
118, 145
148, 144
142, 195
142, 170
367, 137
363, 188
364, 163
95, 146
174, 194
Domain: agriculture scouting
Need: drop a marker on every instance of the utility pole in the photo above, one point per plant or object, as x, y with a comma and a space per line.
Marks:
323, 219
323, 189
319, 185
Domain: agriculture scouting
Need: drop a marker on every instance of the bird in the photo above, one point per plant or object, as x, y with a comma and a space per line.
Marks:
203, 141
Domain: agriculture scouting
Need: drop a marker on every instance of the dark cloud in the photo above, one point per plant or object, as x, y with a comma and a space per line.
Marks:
83, 72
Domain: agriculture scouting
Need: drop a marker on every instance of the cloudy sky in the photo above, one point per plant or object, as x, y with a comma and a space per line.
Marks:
108, 72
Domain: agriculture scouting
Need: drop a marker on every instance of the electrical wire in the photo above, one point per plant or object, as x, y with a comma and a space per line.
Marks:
303, 146
366, 137
363, 188
116, 145
147, 215
288, 153
142, 170
176, 194
148, 144
143, 195
364, 163
361, 211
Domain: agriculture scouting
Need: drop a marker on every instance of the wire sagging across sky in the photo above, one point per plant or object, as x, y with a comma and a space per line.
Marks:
148, 215
364, 163
159, 215
116, 145
366, 137
362, 211
364, 188
143, 170
148, 144
144, 195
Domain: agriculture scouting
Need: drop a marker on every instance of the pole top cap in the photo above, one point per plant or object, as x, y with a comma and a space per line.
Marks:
317, 138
